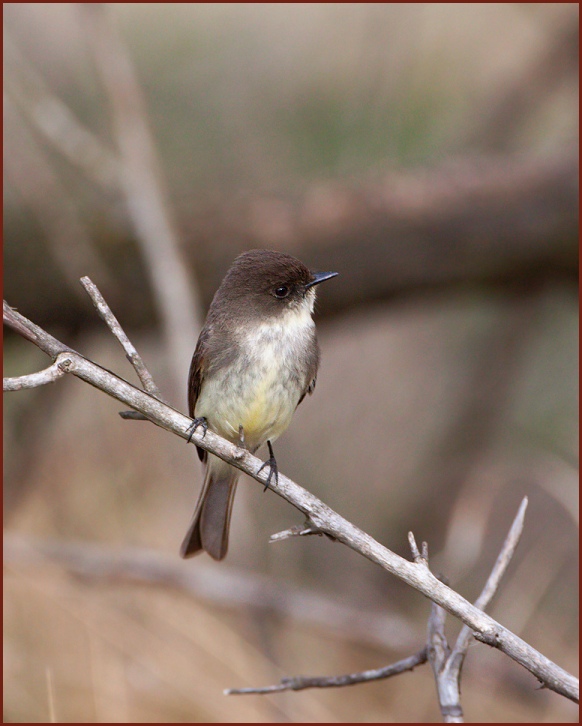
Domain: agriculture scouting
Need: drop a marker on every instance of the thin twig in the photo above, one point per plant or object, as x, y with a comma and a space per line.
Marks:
420, 558
438, 650
33, 380
447, 664
299, 683
491, 586
113, 324
298, 530
323, 517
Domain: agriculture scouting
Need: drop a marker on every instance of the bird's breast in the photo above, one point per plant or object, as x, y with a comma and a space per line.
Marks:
260, 387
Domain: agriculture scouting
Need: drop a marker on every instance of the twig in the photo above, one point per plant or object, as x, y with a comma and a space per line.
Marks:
298, 530
323, 517
113, 324
447, 664
420, 558
438, 651
492, 584
33, 380
299, 683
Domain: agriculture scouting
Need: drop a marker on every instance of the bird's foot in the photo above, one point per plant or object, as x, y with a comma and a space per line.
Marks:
195, 424
272, 464
241, 437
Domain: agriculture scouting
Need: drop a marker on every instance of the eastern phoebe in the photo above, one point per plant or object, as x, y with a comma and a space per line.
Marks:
256, 358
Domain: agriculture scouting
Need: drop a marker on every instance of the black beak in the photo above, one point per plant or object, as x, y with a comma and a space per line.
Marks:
320, 277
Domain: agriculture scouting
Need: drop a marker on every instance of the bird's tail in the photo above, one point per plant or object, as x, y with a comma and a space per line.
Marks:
211, 520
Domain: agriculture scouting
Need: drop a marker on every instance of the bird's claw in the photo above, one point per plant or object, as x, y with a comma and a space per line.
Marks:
273, 470
195, 424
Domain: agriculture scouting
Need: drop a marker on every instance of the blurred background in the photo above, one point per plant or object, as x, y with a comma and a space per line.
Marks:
429, 154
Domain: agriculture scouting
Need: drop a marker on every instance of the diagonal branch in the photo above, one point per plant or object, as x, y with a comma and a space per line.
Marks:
491, 586
113, 324
323, 517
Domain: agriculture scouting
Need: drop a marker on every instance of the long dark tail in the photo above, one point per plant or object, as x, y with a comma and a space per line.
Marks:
211, 520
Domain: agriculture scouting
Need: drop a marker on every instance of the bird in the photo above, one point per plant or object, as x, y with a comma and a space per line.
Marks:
256, 359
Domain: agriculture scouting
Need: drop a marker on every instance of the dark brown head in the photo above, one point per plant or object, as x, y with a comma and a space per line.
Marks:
263, 283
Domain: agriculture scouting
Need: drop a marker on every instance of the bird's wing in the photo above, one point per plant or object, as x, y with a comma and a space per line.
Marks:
196, 376
310, 388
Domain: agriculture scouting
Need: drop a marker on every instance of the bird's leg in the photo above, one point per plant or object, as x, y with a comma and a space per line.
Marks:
195, 423
272, 464
241, 437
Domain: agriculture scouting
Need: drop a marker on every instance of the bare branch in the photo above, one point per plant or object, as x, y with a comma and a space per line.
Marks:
299, 683
33, 380
438, 651
499, 569
447, 665
322, 516
31, 332
113, 324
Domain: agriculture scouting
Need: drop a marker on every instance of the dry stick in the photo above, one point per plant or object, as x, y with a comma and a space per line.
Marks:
329, 522
33, 380
436, 650
438, 653
297, 530
491, 586
447, 664
131, 353
299, 683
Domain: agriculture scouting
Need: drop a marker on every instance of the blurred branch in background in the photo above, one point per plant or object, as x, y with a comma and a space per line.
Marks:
498, 220
140, 179
30, 172
55, 120
222, 586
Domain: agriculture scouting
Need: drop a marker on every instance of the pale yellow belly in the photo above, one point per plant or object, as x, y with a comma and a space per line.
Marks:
261, 401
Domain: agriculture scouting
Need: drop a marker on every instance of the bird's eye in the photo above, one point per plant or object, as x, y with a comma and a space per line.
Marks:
282, 291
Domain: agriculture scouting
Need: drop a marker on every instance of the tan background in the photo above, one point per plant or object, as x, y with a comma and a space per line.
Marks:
428, 153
